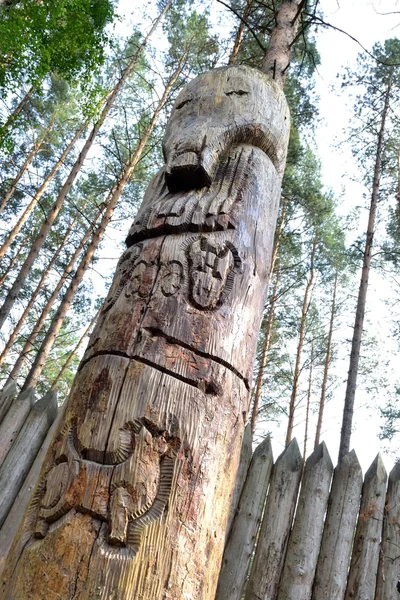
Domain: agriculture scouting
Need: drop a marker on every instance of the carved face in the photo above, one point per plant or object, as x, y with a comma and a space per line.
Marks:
219, 109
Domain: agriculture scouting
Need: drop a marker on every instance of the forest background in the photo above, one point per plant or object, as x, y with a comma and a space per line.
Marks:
86, 90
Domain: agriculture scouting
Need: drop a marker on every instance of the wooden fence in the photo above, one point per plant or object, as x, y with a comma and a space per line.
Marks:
321, 534
26, 428
296, 532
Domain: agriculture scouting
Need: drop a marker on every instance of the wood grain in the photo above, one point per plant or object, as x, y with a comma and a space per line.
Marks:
135, 493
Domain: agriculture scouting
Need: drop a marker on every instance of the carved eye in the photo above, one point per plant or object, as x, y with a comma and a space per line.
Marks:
237, 93
182, 104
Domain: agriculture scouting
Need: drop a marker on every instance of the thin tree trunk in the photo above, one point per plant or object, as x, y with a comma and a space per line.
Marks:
35, 294
74, 352
277, 57
111, 202
239, 33
348, 410
29, 344
270, 320
53, 213
16, 112
310, 380
302, 333
31, 155
327, 363
18, 226
14, 259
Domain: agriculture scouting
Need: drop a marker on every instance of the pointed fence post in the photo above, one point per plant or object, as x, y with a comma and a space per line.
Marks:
16, 513
340, 523
305, 539
389, 560
361, 582
244, 464
24, 450
241, 541
13, 421
7, 395
276, 524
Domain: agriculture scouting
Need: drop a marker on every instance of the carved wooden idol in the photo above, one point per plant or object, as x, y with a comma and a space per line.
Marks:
135, 492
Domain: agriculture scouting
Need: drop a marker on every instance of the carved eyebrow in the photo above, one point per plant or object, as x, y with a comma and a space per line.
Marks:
182, 104
236, 93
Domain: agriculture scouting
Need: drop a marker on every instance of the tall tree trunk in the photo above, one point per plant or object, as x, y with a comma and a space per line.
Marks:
31, 155
72, 354
29, 344
135, 489
14, 259
264, 353
302, 333
35, 294
111, 202
348, 410
327, 363
277, 58
53, 213
49, 178
16, 112
309, 390
269, 322
240, 33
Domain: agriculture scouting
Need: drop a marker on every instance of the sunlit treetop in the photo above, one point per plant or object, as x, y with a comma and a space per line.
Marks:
38, 37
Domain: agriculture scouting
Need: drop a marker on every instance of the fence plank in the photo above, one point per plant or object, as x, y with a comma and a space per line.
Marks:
13, 421
364, 561
240, 545
340, 523
244, 463
24, 450
7, 395
389, 561
303, 548
276, 523
16, 513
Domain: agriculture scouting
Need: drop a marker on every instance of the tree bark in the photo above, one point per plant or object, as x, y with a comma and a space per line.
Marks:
35, 294
111, 202
239, 34
269, 323
310, 380
23, 218
327, 363
29, 344
348, 410
302, 333
14, 259
16, 112
136, 489
53, 213
277, 57
31, 155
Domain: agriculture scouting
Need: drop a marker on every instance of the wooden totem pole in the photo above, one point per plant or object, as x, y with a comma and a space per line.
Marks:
135, 492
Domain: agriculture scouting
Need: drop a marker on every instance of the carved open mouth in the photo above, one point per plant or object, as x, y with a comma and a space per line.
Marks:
185, 172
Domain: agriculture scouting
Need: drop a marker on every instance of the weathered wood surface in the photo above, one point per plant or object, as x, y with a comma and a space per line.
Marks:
13, 421
276, 524
242, 538
16, 513
24, 450
365, 557
305, 538
135, 492
340, 524
244, 464
389, 561
7, 395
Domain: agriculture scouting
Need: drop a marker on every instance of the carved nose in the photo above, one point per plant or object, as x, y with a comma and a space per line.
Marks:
185, 172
